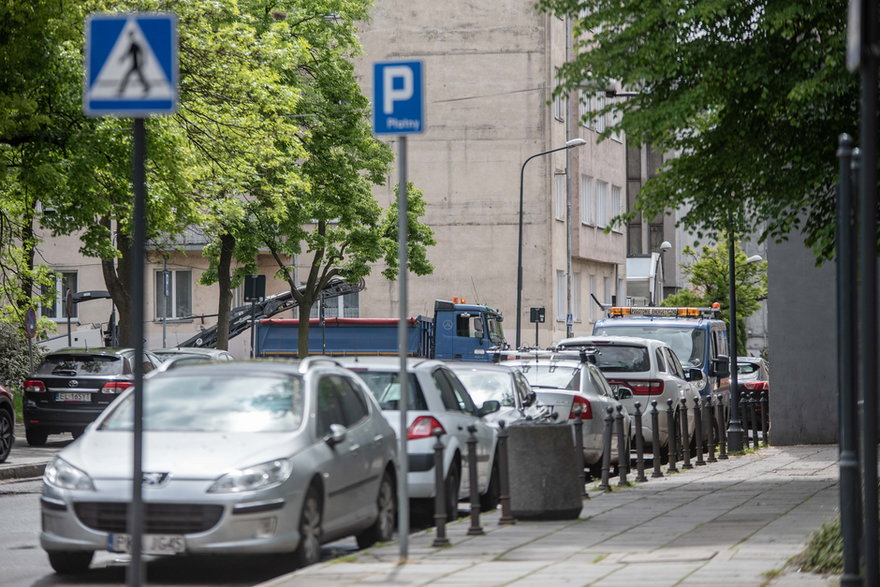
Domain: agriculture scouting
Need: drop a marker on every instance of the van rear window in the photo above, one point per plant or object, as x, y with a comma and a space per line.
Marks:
81, 365
689, 344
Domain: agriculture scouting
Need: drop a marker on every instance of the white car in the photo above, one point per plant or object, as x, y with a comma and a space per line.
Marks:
503, 383
651, 370
567, 385
436, 399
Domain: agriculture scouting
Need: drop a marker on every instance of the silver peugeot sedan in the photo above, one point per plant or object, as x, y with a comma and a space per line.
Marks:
238, 457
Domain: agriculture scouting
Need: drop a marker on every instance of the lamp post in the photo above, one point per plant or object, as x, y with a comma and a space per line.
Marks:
734, 427
519, 272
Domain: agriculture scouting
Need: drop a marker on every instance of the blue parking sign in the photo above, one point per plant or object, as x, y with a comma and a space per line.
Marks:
131, 64
398, 98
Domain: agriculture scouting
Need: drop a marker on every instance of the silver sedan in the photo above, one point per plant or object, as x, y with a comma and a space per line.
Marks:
238, 457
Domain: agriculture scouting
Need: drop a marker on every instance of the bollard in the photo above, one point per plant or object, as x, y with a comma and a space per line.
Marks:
765, 418
622, 452
504, 472
698, 432
743, 412
475, 529
640, 446
440, 493
606, 448
579, 451
756, 407
672, 450
722, 434
709, 411
685, 436
655, 441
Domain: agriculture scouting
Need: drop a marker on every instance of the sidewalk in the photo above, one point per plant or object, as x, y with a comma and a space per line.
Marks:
29, 461
733, 523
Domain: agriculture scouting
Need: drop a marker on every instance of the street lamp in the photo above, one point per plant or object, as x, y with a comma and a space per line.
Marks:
734, 427
519, 272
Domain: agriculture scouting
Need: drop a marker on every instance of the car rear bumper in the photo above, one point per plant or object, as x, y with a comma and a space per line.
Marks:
57, 420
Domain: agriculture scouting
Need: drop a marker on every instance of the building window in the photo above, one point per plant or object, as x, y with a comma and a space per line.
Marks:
558, 99
586, 111
592, 312
344, 306
599, 124
173, 294
606, 290
55, 295
601, 204
587, 214
616, 134
559, 191
576, 297
615, 206
560, 295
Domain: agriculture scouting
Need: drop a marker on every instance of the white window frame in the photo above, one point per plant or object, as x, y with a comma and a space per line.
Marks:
60, 310
558, 99
592, 284
559, 195
606, 290
588, 209
600, 118
616, 194
344, 306
172, 294
586, 110
601, 203
617, 135
576, 297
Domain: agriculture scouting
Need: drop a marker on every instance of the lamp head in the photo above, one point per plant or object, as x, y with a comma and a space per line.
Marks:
665, 246
575, 143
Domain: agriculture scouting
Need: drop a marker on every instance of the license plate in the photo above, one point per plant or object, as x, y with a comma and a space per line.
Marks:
70, 396
150, 543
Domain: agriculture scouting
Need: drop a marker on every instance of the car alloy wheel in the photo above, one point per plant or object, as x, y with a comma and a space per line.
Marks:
309, 550
7, 431
382, 529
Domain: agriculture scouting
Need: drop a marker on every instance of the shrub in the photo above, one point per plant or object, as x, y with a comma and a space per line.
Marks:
15, 366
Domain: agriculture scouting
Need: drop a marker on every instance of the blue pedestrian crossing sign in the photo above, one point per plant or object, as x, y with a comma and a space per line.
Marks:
398, 98
131, 64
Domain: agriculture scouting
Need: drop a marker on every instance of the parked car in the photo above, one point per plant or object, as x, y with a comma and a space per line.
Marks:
194, 354
502, 383
567, 385
436, 400
753, 376
7, 423
71, 387
239, 457
651, 370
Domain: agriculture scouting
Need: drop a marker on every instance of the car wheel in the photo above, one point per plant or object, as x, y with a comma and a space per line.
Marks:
7, 433
77, 434
489, 500
36, 437
382, 529
309, 550
453, 482
69, 563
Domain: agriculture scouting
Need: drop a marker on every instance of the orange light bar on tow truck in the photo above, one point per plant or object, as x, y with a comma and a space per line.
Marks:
659, 312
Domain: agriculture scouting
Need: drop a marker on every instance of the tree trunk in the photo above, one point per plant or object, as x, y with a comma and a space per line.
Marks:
224, 282
302, 346
117, 277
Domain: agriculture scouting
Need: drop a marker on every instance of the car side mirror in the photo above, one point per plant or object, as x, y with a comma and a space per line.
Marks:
693, 374
623, 393
336, 436
531, 399
720, 367
489, 407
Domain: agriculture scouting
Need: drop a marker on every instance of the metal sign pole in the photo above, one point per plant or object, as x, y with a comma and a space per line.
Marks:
402, 336
136, 515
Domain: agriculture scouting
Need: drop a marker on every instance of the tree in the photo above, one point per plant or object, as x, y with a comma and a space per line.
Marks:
749, 95
709, 278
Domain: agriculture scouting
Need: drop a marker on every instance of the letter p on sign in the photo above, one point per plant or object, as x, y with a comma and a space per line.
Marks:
398, 98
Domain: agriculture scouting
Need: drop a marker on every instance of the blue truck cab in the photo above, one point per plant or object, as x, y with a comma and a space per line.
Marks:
695, 334
457, 331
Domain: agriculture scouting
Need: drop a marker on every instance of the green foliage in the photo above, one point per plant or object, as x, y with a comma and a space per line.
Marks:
15, 367
824, 552
708, 274
750, 96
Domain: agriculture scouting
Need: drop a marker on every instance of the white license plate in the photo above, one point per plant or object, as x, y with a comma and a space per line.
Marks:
69, 396
150, 543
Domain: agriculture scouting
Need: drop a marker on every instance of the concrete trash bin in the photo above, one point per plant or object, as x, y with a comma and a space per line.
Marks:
543, 472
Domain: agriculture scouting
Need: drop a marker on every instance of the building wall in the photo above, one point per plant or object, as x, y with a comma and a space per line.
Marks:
803, 397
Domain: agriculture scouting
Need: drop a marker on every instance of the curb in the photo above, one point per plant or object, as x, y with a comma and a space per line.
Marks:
22, 472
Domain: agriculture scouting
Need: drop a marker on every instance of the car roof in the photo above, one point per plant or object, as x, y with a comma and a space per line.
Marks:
96, 351
189, 350
385, 362
614, 340
248, 366
474, 366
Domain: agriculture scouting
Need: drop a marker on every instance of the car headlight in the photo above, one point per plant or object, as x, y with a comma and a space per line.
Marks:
62, 474
262, 476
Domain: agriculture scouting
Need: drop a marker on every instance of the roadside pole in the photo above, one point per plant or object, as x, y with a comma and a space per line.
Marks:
117, 46
398, 109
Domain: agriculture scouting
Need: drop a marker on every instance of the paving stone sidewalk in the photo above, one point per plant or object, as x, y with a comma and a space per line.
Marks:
736, 522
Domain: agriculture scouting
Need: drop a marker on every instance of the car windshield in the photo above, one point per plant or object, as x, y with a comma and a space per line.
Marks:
614, 358
488, 385
688, 343
385, 386
215, 403
746, 368
82, 365
552, 375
